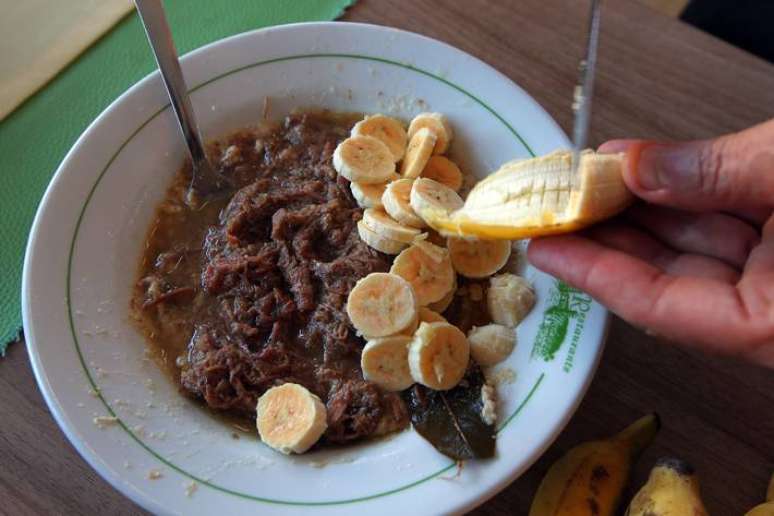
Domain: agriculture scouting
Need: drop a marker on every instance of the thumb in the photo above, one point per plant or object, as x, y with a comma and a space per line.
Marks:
730, 172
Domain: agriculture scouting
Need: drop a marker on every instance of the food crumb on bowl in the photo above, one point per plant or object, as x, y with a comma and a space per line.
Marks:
497, 377
266, 107
489, 409
105, 421
190, 488
242, 428
231, 156
457, 472
154, 474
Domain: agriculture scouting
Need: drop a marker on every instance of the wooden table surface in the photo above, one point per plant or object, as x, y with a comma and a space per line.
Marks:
657, 78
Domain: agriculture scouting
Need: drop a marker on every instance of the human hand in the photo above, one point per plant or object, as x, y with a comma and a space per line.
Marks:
695, 261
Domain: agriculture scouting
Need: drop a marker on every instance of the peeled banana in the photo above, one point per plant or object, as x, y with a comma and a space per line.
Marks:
385, 362
491, 344
418, 152
441, 306
364, 159
672, 490
387, 129
438, 356
435, 123
590, 478
369, 195
765, 509
509, 298
443, 170
478, 258
382, 304
430, 195
379, 222
536, 197
395, 201
429, 272
430, 316
289, 418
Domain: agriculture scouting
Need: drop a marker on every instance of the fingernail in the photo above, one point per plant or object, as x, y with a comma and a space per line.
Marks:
656, 166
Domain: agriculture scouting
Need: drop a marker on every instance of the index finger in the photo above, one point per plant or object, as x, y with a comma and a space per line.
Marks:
705, 312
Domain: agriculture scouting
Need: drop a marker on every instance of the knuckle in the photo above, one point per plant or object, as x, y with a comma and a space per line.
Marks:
712, 178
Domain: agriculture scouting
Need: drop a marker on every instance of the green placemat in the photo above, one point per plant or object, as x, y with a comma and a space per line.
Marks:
35, 138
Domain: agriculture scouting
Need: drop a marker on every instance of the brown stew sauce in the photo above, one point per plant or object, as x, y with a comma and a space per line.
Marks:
249, 292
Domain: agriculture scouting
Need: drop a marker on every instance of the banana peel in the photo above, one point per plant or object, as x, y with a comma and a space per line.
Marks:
672, 489
590, 478
538, 197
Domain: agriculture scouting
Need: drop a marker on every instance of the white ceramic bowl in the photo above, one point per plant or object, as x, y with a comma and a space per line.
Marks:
86, 241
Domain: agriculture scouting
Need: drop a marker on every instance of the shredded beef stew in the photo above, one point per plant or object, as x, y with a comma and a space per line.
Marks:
248, 293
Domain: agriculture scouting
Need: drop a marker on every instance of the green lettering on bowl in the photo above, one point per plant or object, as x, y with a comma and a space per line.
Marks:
552, 331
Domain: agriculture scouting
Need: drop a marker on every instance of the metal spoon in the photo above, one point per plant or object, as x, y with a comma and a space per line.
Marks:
205, 182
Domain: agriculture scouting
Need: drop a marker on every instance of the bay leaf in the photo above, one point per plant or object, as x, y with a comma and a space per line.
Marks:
451, 420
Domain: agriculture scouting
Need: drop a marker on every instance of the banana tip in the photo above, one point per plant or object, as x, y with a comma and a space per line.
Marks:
680, 466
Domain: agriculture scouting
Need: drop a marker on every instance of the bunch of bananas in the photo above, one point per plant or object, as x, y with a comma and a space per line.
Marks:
589, 480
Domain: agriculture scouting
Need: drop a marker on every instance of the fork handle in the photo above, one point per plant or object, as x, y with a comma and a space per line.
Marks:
160, 38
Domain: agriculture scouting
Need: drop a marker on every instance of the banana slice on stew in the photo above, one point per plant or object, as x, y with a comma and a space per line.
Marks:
290, 419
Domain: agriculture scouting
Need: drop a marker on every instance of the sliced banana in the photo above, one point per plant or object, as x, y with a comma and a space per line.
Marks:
387, 129
379, 222
430, 273
408, 331
418, 152
429, 316
478, 258
443, 304
381, 304
431, 199
443, 170
411, 328
491, 344
289, 418
540, 196
377, 241
385, 362
489, 404
438, 125
369, 195
434, 251
438, 355
395, 200
364, 159
509, 299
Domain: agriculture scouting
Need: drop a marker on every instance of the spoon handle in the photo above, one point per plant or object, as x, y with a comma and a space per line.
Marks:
156, 28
